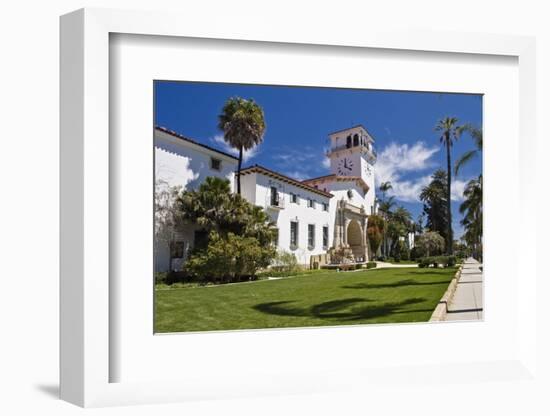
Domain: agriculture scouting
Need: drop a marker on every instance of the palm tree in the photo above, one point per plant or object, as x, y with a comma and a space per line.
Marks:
385, 187
450, 130
243, 125
477, 136
386, 207
434, 197
472, 209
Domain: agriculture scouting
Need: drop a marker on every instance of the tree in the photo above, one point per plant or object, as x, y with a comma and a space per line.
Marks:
385, 187
167, 221
472, 210
466, 157
431, 243
450, 130
243, 125
399, 225
375, 232
240, 230
434, 197
230, 258
385, 206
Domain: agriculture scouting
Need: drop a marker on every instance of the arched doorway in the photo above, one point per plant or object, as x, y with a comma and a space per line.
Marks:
354, 234
356, 241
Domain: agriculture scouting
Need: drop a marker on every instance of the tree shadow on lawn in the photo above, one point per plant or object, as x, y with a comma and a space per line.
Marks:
350, 309
400, 283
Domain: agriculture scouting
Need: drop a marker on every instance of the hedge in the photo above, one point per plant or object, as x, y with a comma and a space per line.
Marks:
371, 265
435, 261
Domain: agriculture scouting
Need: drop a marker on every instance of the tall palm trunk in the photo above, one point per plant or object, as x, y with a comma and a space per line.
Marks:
450, 222
239, 170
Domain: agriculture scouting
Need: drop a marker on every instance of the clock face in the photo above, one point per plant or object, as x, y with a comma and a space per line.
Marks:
345, 166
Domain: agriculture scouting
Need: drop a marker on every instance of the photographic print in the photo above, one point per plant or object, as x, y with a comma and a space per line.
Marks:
291, 206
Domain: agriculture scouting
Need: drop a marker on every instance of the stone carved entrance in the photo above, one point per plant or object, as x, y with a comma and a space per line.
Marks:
355, 240
350, 240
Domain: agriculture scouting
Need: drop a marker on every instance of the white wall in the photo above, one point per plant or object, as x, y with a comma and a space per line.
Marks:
184, 164
290, 212
179, 162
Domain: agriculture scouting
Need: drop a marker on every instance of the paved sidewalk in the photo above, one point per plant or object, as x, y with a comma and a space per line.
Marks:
382, 264
467, 302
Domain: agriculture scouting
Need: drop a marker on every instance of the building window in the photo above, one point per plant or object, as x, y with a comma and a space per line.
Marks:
310, 203
311, 236
325, 206
348, 141
325, 237
356, 140
274, 200
293, 235
177, 249
350, 194
294, 198
276, 237
215, 164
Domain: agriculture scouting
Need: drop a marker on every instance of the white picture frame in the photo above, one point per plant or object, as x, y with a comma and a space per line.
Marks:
85, 351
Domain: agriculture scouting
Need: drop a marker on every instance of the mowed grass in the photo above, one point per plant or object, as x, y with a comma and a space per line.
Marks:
331, 298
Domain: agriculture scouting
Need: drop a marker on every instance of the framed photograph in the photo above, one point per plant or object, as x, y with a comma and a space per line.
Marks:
286, 213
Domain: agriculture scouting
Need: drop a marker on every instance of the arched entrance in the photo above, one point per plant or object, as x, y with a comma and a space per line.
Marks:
354, 233
355, 240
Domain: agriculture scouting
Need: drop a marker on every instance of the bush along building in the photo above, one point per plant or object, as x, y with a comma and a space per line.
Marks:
320, 220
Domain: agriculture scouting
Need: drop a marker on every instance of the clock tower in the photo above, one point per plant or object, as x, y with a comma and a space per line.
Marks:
352, 153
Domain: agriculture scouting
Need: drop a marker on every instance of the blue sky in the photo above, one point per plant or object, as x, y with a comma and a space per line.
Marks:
299, 120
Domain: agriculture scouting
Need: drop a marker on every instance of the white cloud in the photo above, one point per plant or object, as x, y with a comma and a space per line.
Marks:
397, 159
298, 175
409, 190
247, 154
301, 163
457, 189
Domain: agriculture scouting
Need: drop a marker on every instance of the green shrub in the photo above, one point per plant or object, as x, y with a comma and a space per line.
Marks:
424, 262
358, 266
416, 253
229, 259
346, 267
435, 261
371, 265
285, 261
451, 261
160, 278
175, 277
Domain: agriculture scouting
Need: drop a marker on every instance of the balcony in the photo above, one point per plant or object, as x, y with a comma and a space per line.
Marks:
275, 200
364, 148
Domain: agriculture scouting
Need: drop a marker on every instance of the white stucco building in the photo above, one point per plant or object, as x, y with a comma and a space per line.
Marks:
301, 212
185, 163
319, 219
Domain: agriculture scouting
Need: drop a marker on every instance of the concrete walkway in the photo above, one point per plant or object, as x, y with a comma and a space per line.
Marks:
467, 302
385, 265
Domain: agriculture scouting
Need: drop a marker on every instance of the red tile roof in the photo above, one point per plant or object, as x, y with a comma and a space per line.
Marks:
337, 178
284, 178
187, 139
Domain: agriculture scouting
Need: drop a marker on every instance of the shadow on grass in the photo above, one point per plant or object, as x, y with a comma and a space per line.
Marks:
400, 283
350, 309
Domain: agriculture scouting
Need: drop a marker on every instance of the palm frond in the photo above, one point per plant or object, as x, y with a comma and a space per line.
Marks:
464, 159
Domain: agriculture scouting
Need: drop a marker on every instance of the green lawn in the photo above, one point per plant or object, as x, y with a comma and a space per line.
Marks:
330, 298
402, 262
